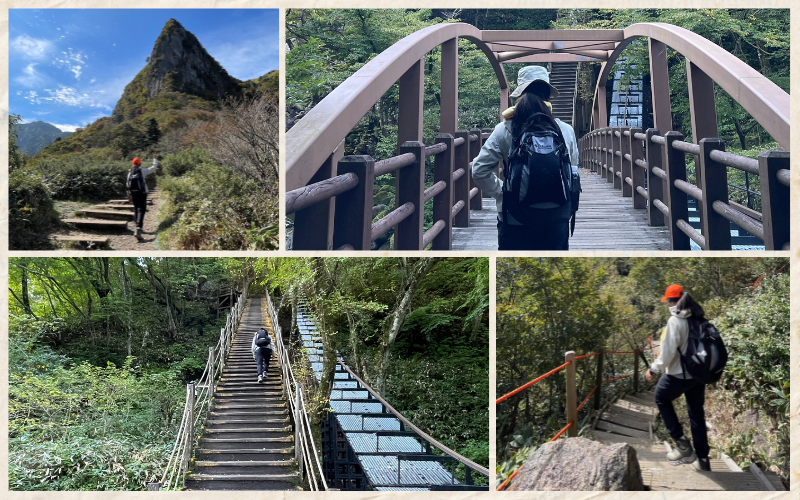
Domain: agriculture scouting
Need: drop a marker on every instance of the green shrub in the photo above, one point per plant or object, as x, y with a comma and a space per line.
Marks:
185, 161
76, 178
30, 211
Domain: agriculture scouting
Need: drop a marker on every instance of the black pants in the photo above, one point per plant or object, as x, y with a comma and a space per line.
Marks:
139, 208
548, 235
669, 389
262, 360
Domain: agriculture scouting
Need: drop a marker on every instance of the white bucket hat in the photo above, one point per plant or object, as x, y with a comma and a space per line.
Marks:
530, 74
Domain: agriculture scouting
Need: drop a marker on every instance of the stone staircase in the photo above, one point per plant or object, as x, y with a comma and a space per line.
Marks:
563, 76
247, 441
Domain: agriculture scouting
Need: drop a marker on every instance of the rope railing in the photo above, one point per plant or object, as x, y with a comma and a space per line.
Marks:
651, 170
572, 409
352, 194
305, 448
198, 398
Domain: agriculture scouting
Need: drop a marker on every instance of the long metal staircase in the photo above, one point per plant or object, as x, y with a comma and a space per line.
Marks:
564, 77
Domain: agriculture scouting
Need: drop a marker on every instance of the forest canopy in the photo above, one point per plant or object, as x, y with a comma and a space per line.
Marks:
546, 307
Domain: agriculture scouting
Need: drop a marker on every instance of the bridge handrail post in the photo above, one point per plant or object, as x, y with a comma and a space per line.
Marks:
352, 221
572, 395
410, 188
616, 143
476, 203
637, 173
598, 381
462, 185
655, 185
608, 143
678, 200
625, 165
443, 202
713, 180
313, 226
211, 375
775, 199
188, 430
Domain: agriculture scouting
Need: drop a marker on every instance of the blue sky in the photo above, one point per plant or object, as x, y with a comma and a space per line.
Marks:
69, 67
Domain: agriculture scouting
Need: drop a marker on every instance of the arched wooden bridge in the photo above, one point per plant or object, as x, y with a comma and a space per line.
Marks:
645, 202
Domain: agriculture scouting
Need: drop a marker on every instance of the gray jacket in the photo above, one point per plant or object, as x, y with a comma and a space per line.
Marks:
253, 346
496, 149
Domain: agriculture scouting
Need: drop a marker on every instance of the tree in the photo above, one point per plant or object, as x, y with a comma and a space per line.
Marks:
16, 158
152, 132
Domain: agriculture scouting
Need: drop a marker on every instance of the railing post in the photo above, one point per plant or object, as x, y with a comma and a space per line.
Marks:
154, 486
616, 160
298, 443
222, 348
775, 199
608, 143
712, 178
572, 396
443, 202
659, 78
409, 104
353, 215
655, 186
703, 112
475, 203
210, 391
461, 187
635, 371
678, 200
448, 116
637, 172
626, 165
598, 381
313, 226
189, 430
410, 186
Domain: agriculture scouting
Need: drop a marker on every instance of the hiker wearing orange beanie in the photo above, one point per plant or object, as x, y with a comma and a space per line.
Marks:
137, 191
676, 382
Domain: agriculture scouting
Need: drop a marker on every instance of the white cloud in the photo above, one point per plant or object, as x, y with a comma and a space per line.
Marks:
66, 128
69, 96
74, 61
93, 80
30, 77
30, 48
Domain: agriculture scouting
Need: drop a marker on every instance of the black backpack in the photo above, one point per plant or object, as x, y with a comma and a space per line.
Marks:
263, 339
135, 182
705, 355
539, 171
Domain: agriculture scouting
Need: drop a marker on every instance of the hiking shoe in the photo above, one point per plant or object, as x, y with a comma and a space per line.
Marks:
682, 453
138, 234
701, 465
260, 379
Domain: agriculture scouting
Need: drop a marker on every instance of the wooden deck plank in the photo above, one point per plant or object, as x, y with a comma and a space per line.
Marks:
604, 425
631, 423
605, 221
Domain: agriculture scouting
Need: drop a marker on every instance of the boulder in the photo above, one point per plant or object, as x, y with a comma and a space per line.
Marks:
579, 464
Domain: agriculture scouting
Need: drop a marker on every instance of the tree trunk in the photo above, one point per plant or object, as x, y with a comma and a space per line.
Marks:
411, 282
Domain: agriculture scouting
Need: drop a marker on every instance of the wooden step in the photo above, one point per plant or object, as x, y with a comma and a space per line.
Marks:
86, 241
97, 223
105, 214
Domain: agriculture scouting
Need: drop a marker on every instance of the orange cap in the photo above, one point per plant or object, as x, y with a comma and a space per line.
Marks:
673, 291
137, 161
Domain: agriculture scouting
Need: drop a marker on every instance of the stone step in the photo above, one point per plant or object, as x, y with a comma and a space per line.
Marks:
105, 214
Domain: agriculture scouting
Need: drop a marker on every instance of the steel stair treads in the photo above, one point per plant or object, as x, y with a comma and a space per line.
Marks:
247, 439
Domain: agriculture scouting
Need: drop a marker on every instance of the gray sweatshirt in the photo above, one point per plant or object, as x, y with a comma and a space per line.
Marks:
253, 346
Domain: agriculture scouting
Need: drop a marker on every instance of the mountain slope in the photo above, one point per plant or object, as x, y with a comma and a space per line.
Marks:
36, 135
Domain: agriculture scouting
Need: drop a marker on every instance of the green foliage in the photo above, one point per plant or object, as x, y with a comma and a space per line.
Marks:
16, 158
179, 163
211, 207
152, 131
30, 211
76, 178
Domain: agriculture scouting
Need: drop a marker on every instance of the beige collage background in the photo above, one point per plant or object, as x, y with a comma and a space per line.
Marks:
282, 4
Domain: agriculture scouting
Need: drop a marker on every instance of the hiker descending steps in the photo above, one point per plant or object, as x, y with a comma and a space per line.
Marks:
247, 441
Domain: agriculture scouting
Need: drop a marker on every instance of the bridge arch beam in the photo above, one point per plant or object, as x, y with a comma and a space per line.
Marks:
312, 140
767, 103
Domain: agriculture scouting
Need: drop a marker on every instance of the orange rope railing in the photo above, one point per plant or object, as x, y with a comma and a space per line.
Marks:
617, 378
520, 389
512, 476
587, 397
587, 355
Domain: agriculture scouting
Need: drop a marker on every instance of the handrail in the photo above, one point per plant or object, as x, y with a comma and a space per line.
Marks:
664, 174
305, 448
198, 397
457, 456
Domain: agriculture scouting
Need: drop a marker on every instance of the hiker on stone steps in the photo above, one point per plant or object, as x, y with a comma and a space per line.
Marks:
137, 191
262, 352
674, 382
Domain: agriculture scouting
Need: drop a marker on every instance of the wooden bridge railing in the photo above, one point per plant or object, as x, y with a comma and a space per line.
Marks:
453, 193
651, 170
198, 398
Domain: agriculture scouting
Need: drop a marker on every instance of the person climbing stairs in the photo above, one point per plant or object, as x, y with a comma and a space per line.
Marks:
247, 442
